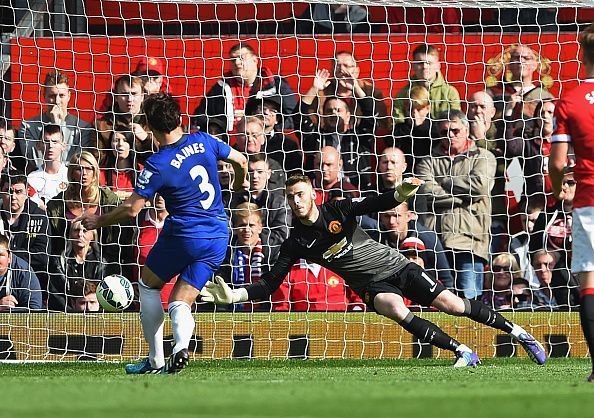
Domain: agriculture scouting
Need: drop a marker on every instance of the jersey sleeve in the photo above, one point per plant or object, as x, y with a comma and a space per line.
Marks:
272, 280
220, 149
560, 123
149, 181
372, 204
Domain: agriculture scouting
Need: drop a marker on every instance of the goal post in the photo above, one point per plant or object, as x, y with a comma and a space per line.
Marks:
187, 43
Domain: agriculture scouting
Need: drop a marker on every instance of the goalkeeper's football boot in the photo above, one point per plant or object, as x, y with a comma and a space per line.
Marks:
142, 367
176, 362
535, 350
466, 359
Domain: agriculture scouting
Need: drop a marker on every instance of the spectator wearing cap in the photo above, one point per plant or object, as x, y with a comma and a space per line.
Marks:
152, 71
414, 250
399, 224
278, 146
246, 79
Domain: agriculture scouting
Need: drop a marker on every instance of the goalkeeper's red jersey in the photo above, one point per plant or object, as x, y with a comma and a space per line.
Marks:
574, 123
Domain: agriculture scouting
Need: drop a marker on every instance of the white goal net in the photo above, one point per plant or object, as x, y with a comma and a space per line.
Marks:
404, 81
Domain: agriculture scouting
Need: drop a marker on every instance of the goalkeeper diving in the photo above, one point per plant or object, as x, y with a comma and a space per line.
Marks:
329, 235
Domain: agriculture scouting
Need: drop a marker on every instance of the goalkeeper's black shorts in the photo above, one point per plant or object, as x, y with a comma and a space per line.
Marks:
412, 282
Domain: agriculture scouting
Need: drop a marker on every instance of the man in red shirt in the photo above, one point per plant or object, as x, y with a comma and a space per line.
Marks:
573, 120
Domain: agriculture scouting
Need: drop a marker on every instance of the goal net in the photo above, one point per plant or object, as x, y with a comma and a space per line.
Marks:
485, 223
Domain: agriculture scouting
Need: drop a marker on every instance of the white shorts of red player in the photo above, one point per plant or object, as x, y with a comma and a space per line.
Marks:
582, 231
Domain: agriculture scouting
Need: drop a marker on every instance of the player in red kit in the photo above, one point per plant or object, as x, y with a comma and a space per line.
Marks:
574, 120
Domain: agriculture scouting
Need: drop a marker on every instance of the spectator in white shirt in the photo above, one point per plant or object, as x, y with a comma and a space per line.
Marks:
52, 177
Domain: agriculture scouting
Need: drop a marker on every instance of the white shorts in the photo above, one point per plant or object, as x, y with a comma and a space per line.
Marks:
582, 232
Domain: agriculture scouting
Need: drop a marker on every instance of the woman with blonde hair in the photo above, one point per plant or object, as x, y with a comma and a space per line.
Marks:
84, 194
504, 268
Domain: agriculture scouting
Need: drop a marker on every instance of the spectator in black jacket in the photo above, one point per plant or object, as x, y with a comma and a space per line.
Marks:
338, 129
276, 217
26, 224
19, 286
246, 79
400, 223
80, 261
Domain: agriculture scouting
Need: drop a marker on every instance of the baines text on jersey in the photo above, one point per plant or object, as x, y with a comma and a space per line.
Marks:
195, 148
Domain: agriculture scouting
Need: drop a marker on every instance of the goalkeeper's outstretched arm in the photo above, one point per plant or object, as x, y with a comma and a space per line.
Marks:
220, 293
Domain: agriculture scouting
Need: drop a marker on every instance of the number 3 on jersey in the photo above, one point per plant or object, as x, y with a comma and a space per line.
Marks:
204, 185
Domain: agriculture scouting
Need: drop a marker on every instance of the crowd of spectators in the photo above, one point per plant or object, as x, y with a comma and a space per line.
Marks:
470, 226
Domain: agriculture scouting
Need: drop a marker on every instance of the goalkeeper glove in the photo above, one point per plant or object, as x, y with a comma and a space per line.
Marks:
221, 294
407, 188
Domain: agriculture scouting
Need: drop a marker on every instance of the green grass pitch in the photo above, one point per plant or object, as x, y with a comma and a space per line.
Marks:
504, 388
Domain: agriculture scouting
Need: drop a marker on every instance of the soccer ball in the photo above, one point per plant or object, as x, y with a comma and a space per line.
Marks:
115, 293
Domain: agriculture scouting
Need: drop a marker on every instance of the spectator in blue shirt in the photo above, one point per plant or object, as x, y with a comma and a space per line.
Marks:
19, 286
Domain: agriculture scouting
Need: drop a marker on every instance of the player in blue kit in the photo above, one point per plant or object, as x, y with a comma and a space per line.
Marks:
195, 234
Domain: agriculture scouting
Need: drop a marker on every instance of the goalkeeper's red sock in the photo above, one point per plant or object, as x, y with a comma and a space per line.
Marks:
587, 319
428, 332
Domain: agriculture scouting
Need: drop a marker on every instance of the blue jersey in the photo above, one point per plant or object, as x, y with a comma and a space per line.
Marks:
185, 174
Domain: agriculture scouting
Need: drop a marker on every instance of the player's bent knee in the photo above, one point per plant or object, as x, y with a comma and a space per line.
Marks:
449, 303
391, 306
183, 291
150, 279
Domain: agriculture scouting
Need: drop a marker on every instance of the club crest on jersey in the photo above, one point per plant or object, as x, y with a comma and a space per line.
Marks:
590, 97
338, 250
143, 178
335, 227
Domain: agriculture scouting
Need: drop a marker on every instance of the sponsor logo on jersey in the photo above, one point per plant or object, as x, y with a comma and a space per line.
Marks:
338, 250
335, 227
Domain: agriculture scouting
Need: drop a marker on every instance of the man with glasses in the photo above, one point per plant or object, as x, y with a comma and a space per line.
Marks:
458, 181
251, 140
245, 79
